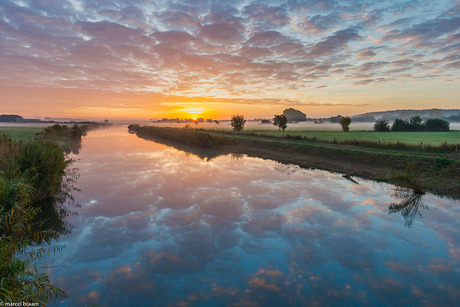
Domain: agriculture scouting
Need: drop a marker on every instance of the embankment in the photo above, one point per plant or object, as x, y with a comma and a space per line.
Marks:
435, 172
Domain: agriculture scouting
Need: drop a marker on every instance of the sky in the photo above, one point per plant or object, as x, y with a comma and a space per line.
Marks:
143, 59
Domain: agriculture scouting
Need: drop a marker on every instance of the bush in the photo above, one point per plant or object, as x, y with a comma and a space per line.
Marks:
43, 163
381, 125
436, 124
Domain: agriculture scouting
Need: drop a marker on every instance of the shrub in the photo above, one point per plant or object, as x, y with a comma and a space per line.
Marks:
437, 124
43, 163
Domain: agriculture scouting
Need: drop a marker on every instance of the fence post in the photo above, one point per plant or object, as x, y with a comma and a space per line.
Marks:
421, 145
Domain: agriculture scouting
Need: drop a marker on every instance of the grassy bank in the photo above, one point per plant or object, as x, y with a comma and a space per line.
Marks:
189, 136
21, 133
408, 138
436, 170
31, 175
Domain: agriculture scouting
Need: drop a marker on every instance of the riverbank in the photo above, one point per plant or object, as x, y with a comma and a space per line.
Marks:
31, 181
433, 171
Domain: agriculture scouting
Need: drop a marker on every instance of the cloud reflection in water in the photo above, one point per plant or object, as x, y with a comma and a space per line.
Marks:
157, 225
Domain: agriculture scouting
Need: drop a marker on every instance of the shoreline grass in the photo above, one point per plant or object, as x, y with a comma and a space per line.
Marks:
31, 177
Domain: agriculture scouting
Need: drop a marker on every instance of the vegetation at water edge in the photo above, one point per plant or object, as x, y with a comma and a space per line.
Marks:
30, 172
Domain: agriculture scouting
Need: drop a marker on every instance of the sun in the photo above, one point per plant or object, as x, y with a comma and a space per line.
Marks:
194, 117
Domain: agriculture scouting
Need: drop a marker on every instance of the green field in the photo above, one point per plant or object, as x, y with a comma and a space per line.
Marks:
414, 138
21, 133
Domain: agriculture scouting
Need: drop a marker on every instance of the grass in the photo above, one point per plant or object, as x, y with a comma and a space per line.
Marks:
31, 172
21, 133
188, 135
410, 138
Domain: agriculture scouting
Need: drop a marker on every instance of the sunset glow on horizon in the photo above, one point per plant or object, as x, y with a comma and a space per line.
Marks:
210, 59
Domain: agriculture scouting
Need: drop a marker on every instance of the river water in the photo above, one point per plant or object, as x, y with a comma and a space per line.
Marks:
158, 226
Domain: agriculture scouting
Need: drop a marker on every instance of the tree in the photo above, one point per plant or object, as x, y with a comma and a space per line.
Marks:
436, 124
293, 115
280, 121
345, 123
416, 123
335, 119
237, 122
400, 125
381, 125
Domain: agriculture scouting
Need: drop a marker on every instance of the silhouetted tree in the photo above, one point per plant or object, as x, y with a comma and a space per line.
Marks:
381, 125
237, 122
345, 123
409, 206
437, 124
416, 124
280, 121
400, 125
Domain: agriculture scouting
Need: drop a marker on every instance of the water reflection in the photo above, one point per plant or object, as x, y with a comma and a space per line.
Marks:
159, 227
204, 153
54, 212
409, 205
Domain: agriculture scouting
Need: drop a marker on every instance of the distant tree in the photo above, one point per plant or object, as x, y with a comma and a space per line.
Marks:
280, 121
400, 125
345, 123
10, 118
265, 121
237, 122
293, 115
416, 123
436, 124
335, 119
381, 125
454, 118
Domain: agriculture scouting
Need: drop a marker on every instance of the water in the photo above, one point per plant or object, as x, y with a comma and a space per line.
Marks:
162, 227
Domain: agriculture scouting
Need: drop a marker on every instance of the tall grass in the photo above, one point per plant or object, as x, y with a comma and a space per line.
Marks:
69, 138
29, 173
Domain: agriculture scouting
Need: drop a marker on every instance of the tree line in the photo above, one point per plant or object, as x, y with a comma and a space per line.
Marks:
415, 123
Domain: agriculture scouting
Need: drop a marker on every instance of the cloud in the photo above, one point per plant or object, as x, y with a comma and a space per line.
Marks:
337, 42
224, 49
